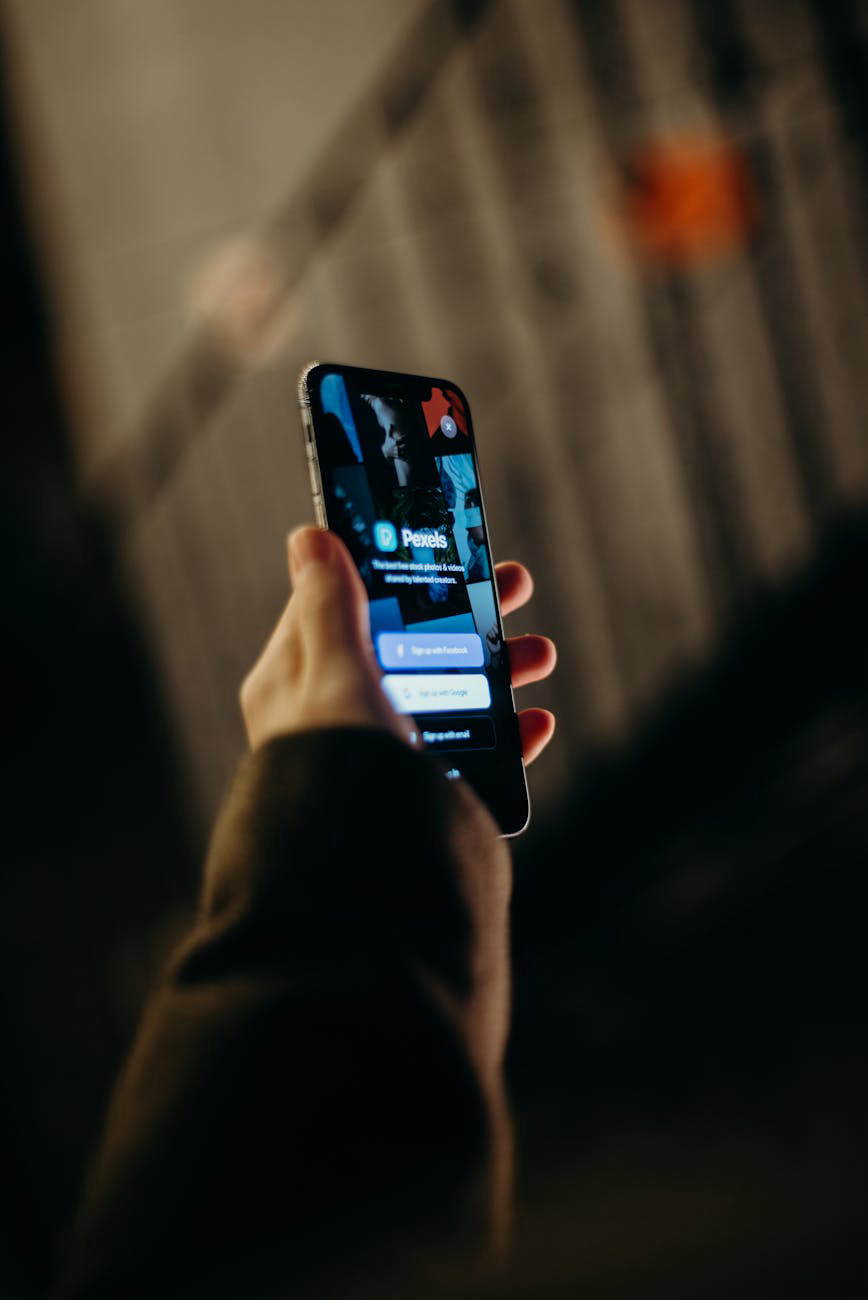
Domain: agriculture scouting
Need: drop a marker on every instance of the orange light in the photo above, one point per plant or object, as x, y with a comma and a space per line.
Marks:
688, 199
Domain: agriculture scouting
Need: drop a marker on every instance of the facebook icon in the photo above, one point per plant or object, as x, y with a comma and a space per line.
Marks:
385, 536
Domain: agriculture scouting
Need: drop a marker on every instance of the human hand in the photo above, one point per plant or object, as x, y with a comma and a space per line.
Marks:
531, 658
318, 668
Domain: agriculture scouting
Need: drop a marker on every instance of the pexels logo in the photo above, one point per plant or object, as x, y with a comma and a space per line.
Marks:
386, 537
430, 537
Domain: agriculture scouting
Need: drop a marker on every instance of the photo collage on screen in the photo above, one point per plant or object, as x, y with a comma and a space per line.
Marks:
406, 501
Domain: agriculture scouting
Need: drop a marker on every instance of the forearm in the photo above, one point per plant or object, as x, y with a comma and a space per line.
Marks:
333, 1027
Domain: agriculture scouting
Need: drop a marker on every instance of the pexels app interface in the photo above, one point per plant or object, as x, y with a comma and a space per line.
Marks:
400, 482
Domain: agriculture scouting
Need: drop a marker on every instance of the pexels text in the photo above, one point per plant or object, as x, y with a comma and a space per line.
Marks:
430, 537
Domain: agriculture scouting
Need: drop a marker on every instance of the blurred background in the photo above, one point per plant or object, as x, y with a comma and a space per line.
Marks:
634, 233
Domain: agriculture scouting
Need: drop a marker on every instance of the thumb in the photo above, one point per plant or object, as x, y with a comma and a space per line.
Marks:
329, 596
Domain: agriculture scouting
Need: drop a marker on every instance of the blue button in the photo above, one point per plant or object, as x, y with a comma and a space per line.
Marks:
429, 650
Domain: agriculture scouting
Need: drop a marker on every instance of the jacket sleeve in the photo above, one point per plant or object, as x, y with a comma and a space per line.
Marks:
315, 1087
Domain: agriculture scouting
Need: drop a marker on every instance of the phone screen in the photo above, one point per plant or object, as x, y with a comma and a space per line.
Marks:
395, 475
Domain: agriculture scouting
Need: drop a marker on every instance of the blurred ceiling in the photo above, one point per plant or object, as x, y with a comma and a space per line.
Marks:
633, 233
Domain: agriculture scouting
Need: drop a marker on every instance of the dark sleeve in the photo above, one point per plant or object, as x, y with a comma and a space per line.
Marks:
310, 1090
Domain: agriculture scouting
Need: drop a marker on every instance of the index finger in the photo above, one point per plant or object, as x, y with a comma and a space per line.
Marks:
514, 585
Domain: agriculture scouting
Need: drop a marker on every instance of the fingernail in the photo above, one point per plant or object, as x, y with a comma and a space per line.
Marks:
308, 546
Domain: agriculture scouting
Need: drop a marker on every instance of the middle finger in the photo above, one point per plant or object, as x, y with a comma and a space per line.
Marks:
531, 658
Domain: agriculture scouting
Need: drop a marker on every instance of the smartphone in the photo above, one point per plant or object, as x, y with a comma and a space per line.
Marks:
393, 471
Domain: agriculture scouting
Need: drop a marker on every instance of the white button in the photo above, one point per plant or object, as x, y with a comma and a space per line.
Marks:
437, 692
